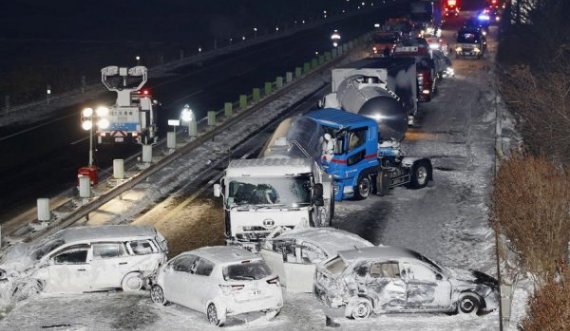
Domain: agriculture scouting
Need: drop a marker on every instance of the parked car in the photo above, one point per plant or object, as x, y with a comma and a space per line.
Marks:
82, 259
219, 281
384, 279
293, 254
470, 42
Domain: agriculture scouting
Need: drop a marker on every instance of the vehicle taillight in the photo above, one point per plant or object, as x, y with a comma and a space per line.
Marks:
231, 289
274, 280
420, 79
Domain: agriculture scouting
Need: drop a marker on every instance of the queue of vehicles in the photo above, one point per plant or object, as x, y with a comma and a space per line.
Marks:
278, 208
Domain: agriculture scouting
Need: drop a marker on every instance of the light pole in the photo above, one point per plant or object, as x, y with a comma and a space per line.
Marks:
89, 119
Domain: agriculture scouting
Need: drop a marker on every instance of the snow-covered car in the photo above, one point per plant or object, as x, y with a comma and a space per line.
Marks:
293, 254
386, 279
83, 259
219, 281
470, 42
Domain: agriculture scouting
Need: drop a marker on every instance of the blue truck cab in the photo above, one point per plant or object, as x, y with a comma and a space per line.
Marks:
358, 162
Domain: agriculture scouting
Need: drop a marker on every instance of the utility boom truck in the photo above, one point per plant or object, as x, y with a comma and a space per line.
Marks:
133, 116
283, 189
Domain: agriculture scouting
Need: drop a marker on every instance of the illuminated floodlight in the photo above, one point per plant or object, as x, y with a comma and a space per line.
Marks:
87, 112
186, 114
103, 123
87, 125
377, 25
102, 111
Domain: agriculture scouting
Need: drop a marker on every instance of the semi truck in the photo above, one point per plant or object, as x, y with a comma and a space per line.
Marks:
284, 188
132, 119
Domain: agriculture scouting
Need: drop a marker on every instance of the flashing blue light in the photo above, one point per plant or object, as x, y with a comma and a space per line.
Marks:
483, 17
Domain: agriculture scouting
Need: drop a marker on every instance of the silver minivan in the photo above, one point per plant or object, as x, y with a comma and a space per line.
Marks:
83, 259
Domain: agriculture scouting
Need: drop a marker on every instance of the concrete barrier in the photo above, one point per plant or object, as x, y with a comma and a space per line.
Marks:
256, 94
228, 109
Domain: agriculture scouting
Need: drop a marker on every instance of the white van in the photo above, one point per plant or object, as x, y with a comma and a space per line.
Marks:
82, 259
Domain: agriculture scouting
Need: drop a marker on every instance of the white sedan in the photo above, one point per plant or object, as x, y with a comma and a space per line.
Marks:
220, 281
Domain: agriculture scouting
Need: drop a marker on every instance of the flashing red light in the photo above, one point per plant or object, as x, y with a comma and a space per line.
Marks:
145, 92
451, 3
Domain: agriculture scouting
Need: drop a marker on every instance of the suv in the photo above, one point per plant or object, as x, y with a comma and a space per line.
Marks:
82, 259
470, 42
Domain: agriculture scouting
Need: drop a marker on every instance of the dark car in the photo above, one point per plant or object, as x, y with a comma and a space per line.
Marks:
470, 42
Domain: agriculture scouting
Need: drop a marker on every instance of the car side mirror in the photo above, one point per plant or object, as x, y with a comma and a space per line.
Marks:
318, 195
217, 190
321, 103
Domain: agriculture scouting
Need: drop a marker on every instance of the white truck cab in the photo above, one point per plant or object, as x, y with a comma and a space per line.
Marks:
261, 195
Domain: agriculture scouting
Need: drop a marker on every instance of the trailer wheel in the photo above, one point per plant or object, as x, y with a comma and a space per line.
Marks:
421, 173
363, 188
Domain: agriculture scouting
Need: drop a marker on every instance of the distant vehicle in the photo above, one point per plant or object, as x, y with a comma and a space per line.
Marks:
385, 279
436, 43
477, 23
451, 7
133, 117
219, 281
83, 259
399, 25
293, 254
470, 42
425, 16
383, 43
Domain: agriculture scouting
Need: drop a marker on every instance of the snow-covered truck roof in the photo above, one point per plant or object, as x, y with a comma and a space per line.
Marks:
330, 240
268, 167
105, 232
224, 254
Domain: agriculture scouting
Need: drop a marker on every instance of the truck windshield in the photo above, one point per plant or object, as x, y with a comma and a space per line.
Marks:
278, 191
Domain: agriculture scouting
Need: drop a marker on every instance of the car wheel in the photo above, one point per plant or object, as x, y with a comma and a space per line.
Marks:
420, 175
157, 295
271, 314
27, 289
213, 317
363, 188
132, 282
360, 308
468, 304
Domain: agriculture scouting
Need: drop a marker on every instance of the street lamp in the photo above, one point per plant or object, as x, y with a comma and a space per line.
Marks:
138, 58
255, 32
89, 119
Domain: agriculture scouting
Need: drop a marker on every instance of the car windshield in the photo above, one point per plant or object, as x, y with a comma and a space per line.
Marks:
336, 265
428, 261
384, 39
280, 191
247, 271
467, 37
43, 248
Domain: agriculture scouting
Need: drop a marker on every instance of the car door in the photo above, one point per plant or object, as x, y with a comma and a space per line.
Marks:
68, 270
383, 284
426, 289
203, 284
177, 279
109, 264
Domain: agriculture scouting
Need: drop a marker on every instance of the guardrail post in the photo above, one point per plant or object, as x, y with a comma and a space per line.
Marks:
256, 94
118, 168
268, 88
242, 101
314, 63
288, 77
298, 72
306, 67
211, 118
171, 140
334, 53
228, 109
84, 186
44, 213
279, 82
147, 153
327, 56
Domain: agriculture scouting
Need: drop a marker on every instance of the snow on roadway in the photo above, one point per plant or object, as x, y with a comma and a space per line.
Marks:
447, 221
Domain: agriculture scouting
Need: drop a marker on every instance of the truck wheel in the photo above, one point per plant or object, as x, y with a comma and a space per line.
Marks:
420, 175
363, 188
382, 184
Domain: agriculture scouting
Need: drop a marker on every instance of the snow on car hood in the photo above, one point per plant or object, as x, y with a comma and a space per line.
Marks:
17, 259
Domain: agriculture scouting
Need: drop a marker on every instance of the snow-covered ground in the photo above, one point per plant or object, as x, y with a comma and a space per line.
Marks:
448, 221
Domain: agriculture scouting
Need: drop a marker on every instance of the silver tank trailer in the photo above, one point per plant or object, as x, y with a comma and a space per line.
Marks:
367, 96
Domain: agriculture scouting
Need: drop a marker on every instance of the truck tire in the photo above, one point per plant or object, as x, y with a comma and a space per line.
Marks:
421, 174
363, 188
382, 184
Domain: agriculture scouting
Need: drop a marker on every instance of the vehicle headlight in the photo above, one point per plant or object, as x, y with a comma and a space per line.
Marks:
103, 123
476, 50
458, 49
484, 32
